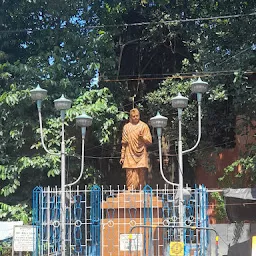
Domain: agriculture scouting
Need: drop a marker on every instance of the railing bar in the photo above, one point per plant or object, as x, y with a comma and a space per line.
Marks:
48, 219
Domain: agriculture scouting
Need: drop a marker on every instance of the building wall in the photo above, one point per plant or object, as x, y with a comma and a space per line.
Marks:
224, 159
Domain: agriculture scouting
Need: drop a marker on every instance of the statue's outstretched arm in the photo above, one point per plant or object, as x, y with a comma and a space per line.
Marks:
146, 136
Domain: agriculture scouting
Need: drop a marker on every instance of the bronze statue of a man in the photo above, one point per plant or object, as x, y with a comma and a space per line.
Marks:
134, 157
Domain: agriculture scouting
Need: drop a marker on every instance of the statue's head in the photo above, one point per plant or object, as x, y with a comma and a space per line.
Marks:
134, 116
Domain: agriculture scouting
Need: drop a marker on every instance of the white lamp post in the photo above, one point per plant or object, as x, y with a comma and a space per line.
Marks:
199, 87
62, 104
82, 121
38, 94
159, 122
180, 103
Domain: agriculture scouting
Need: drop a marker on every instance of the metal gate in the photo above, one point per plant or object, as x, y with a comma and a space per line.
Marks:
117, 222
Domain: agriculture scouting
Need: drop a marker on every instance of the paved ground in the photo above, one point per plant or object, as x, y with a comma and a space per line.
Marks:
234, 239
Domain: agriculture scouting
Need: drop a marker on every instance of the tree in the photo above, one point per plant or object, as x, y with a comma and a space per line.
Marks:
185, 39
131, 47
48, 45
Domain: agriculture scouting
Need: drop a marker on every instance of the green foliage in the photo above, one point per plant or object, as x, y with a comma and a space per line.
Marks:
15, 213
241, 173
219, 209
51, 48
6, 248
99, 103
161, 98
64, 45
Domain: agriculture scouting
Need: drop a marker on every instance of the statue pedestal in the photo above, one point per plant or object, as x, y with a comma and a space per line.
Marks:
128, 210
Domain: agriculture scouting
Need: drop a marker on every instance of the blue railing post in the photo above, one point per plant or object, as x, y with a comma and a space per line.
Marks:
36, 218
148, 220
95, 218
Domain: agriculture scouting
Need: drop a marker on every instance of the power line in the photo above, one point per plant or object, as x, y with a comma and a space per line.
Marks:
139, 23
180, 74
174, 21
177, 76
232, 57
118, 155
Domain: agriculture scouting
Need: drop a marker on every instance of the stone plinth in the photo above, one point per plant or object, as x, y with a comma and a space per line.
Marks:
128, 210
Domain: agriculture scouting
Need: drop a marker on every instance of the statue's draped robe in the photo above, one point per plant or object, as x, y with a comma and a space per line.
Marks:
134, 152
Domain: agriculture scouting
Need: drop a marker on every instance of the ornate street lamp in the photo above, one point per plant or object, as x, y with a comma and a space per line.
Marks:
62, 104
82, 121
159, 122
199, 87
38, 94
180, 103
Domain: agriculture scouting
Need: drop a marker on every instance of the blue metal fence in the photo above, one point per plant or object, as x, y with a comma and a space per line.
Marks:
95, 216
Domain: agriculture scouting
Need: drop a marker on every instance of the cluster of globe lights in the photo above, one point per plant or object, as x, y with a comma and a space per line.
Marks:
62, 104
159, 122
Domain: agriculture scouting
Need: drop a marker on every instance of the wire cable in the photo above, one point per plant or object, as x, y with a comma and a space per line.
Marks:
178, 76
141, 23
